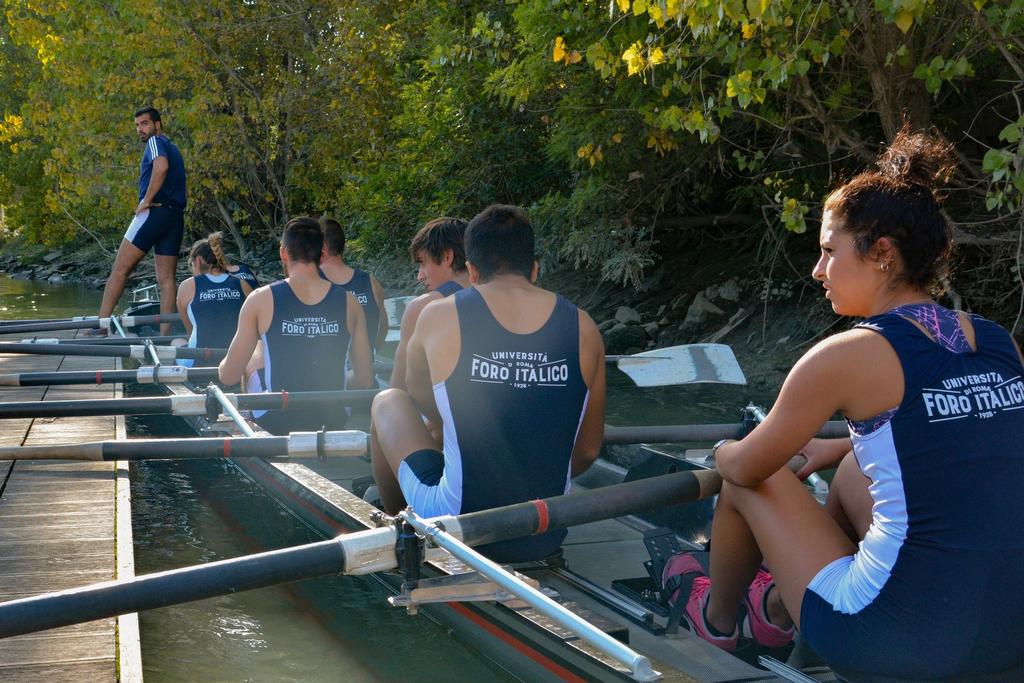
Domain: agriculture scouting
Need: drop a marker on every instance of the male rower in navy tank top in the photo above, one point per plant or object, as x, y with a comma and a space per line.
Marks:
307, 326
438, 251
363, 285
516, 376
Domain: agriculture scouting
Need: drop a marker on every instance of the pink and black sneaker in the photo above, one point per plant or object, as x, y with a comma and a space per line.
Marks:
685, 569
755, 622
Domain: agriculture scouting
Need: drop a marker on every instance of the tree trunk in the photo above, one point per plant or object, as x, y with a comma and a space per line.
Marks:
225, 216
897, 95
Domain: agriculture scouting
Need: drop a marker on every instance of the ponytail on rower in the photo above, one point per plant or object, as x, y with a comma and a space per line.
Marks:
900, 200
211, 252
216, 241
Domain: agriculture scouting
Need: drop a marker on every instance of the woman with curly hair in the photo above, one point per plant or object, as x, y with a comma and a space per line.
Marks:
915, 567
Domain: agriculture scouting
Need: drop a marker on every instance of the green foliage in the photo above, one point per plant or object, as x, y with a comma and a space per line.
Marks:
622, 125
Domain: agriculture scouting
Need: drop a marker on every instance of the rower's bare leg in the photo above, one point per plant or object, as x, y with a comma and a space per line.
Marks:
391, 496
849, 501
166, 278
779, 519
128, 257
396, 431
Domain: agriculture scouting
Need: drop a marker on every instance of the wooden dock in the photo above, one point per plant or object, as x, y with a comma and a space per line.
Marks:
64, 524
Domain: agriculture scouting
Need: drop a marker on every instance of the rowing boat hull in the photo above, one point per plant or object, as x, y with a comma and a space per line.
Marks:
527, 645
521, 641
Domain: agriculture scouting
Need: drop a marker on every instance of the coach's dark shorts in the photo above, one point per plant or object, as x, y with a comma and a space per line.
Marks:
159, 228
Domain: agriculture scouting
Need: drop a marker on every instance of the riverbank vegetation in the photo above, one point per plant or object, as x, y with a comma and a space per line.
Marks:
633, 130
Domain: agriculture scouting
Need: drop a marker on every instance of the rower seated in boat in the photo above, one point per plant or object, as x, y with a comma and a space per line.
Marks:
514, 373
308, 326
210, 300
364, 286
915, 567
439, 252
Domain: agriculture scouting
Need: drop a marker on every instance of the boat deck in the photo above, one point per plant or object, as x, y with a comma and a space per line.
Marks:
64, 524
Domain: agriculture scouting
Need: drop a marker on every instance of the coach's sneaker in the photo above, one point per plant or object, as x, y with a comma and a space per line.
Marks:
694, 587
755, 619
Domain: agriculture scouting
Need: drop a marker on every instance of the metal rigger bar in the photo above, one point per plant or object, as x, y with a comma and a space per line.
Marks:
230, 410
639, 665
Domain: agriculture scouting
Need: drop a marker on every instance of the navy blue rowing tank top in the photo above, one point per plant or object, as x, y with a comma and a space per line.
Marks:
305, 349
511, 409
951, 465
449, 288
946, 474
213, 310
245, 274
362, 289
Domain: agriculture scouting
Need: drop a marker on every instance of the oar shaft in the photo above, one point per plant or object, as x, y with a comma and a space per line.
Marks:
335, 443
193, 404
362, 552
170, 588
32, 321
165, 374
534, 517
137, 351
116, 341
153, 449
683, 433
91, 323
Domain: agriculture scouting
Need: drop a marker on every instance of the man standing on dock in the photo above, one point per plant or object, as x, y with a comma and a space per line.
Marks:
159, 221
515, 374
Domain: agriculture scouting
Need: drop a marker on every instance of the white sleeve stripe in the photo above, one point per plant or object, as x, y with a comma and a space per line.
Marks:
154, 151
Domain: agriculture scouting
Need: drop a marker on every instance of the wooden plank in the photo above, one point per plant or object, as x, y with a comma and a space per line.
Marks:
57, 527
71, 646
129, 642
81, 544
55, 672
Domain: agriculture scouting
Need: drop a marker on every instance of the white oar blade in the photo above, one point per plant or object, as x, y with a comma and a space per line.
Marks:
687, 364
393, 336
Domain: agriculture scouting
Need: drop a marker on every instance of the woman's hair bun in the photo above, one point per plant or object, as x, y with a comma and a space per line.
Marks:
917, 159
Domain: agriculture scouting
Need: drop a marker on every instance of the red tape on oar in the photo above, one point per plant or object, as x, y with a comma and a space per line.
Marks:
284, 400
227, 448
99, 377
542, 516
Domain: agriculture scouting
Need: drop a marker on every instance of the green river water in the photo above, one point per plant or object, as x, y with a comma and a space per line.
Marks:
328, 629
